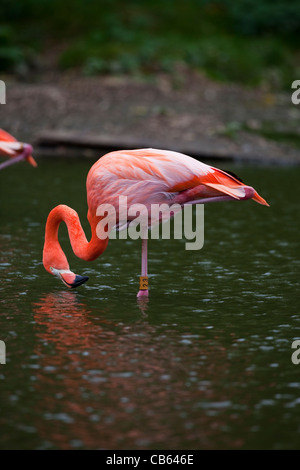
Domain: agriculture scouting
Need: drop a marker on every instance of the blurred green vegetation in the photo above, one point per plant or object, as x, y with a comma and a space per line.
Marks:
253, 42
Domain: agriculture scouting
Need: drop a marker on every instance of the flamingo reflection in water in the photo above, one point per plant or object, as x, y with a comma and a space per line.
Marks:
104, 383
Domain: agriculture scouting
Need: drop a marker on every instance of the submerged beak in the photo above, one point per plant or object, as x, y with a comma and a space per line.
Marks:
70, 279
76, 281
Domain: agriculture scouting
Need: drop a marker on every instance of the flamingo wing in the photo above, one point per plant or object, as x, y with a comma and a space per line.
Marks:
8, 144
6, 137
149, 176
145, 176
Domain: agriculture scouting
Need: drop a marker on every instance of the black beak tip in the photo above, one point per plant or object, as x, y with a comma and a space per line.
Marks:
79, 280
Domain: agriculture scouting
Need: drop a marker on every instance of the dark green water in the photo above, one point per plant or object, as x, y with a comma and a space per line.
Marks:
205, 364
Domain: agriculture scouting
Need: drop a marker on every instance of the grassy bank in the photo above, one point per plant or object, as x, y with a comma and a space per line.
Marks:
250, 42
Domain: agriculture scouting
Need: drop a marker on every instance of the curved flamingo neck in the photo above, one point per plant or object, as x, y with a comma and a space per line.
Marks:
53, 255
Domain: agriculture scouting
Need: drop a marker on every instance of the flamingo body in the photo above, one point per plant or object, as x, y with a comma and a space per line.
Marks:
144, 176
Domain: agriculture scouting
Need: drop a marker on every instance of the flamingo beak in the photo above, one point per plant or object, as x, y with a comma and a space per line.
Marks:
259, 199
76, 281
27, 149
70, 279
31, 161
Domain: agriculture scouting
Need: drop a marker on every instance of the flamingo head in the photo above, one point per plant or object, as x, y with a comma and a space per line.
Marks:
250, 193
15, 149
27, 150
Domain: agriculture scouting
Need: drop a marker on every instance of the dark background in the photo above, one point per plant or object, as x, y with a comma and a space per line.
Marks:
253, 42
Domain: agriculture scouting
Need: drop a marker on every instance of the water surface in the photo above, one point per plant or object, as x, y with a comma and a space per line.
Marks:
206, 363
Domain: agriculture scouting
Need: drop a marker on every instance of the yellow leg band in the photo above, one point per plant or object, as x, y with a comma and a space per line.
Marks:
143, 282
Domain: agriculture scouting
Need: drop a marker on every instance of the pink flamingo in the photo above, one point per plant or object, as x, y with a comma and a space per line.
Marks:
145, 176
17, 151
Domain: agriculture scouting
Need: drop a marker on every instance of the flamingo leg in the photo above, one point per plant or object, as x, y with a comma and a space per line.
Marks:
13, 160
143, 292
